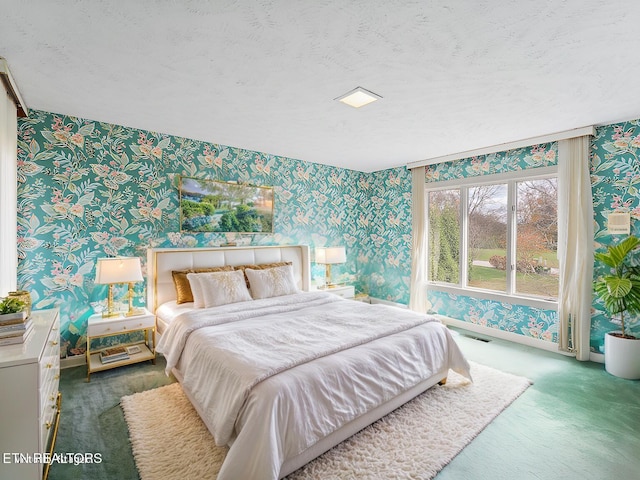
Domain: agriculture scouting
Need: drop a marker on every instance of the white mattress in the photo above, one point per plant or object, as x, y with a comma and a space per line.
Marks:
285, 419
167, 312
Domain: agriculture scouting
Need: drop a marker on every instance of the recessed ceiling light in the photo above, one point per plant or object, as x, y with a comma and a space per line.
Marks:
358, 97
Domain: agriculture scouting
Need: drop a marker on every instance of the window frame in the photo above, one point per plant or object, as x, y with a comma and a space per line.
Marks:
511, 179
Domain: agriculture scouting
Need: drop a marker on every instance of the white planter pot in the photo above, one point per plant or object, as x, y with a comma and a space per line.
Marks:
622, 356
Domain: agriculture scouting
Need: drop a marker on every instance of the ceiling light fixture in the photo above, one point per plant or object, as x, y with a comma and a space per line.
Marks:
358, 97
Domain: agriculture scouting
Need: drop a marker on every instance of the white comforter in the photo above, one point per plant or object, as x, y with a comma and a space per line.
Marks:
272, 377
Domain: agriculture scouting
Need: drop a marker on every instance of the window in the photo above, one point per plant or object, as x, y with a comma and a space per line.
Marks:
499, 237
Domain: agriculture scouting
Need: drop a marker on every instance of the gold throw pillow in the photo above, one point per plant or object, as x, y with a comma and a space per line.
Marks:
181, 282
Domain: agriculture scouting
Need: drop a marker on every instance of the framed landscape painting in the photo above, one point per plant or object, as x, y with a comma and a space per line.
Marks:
221, 207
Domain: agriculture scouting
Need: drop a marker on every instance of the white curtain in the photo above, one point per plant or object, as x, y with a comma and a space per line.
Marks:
8, 199
575, 246
418, 295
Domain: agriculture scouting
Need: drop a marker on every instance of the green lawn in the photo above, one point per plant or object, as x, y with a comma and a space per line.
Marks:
494, 279
486, 253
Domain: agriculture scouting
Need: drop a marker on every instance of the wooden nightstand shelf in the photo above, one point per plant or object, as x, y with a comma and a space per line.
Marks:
98, 327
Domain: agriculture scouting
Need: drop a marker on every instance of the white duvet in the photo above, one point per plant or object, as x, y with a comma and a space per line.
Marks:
272, 377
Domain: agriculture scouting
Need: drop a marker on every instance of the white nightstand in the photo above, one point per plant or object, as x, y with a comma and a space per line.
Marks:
344, 291
106, 327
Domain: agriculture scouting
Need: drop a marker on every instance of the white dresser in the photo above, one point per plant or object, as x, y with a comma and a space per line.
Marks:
29, 399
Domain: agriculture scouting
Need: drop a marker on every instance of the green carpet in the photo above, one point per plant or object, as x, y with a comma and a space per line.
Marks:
575, 422
92, 420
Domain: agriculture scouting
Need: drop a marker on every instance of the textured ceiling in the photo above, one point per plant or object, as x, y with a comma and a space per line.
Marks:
262, 74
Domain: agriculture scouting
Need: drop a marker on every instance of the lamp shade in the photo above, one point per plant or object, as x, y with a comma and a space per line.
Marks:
331, 255
118, 270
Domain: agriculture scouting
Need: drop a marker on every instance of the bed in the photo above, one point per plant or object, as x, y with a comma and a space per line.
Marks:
282, 378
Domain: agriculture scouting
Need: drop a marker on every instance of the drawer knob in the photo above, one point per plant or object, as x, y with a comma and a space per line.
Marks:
57, 376
49, 365
54, 343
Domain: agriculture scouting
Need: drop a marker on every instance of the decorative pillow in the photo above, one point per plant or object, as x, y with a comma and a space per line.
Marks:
271, 282
262, 266
218, 288
183, 288
196, 289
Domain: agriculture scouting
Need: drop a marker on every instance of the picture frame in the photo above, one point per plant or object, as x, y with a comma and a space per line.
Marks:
214, 206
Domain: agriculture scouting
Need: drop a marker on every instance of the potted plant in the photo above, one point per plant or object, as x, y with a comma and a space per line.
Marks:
11, 309
619, 290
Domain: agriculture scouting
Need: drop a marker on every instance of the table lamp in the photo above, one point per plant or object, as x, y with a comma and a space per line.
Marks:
330, 256
110, 271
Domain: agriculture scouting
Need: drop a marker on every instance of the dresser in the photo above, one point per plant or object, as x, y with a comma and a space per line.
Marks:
29, 399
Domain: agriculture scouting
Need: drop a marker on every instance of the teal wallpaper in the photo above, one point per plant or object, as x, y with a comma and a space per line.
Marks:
88, 189
615, 180
385, 255
544, 155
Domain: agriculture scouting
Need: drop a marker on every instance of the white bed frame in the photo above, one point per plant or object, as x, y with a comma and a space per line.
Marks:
160, 289
162, 261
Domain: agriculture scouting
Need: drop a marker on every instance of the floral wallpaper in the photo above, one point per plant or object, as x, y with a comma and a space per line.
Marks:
544, 155
88, 189
385, 255
615, 180
528, 321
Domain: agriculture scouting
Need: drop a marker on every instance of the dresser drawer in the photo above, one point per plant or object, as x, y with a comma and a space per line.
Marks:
47, 420
114, 327
49, 365
30, 376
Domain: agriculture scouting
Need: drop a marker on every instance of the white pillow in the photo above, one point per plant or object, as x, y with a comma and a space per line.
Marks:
196, 289
271, 282
218, 288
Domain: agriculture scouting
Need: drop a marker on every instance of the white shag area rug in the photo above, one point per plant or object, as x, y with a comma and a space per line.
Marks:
416, 441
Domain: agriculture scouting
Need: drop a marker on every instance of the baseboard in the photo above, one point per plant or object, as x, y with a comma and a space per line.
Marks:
73, 361
501, 334
514, 337
387, 302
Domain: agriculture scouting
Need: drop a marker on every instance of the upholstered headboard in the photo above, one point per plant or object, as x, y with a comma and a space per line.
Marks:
162, 261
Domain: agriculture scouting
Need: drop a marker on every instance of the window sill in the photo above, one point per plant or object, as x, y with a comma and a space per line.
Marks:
534, 302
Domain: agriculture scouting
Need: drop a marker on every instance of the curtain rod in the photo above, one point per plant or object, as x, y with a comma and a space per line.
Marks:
12, 88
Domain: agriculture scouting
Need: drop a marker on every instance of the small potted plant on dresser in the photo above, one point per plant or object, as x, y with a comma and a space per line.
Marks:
619, 291
12, 309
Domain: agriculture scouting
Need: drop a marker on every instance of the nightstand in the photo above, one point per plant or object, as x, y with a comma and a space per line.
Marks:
344, 291
98, 327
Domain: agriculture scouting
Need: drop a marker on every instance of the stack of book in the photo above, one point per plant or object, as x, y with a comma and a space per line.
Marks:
114, 354
14, 329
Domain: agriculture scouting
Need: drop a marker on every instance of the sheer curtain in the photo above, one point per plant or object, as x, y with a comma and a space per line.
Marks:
8, 198
575, 246
418, 295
